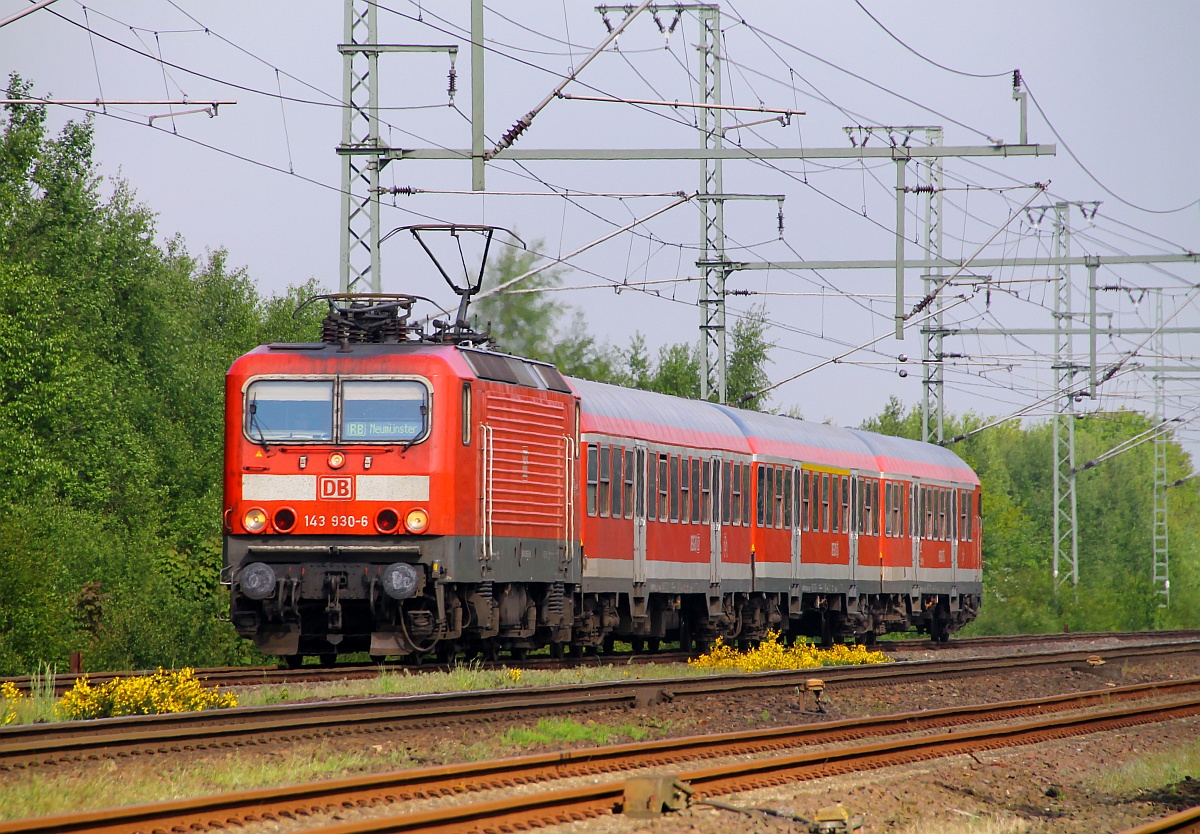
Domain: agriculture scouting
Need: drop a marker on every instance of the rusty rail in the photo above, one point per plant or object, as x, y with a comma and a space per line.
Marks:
30, 744
1185, 822
563, 805
268, 675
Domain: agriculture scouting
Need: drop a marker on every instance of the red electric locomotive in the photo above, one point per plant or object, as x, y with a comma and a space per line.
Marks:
403, 494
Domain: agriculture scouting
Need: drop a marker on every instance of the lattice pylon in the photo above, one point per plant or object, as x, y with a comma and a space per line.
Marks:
712, 233
1160, 535
360, 150
933, 409
1066, 511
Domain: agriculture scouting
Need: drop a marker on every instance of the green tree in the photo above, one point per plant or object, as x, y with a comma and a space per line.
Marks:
527, 321
113, 352
746, 371
676, 370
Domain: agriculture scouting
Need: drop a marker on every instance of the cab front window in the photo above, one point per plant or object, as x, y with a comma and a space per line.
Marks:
378, 410
279, 409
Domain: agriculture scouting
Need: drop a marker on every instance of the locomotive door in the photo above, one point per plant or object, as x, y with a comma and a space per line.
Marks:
914, 527
639, 515
953, 528
714, 560
855, 525
797, 476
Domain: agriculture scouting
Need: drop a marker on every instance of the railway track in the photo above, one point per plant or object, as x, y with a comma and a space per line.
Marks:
1185, 822
228, 676
269, 675
786, 755
910, 643
38, 744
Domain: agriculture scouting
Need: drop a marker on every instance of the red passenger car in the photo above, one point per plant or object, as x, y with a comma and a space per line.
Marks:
400, 494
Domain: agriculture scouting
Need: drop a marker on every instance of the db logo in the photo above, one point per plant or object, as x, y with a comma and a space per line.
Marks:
335, 488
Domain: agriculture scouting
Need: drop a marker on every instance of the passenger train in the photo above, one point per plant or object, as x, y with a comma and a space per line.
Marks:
406, 495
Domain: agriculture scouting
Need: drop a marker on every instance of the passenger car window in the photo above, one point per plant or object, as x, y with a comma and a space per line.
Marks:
593, 478
278, 409
389, 410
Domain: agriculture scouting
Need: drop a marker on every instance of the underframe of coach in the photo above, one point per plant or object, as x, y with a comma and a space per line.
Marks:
404, 597
696, 619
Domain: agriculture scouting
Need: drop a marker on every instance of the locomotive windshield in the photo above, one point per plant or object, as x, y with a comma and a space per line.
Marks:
289, 410
391, 410
370, 411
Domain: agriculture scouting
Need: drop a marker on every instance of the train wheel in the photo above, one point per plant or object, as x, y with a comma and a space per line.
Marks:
293, 661
520, 655
556, 651
447, 653
609, 643
686, 643
826, 631
328, 659
638, 644
377, 659
655, 644
939, 628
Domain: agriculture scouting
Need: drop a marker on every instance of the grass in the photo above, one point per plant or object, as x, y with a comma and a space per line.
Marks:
568, 730
1153, 772
37, 792
37, 706
998, 823
41, 793
466, 677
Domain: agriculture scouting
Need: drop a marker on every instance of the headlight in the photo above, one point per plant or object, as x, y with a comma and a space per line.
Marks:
401, 580
255, 520
336, 460
387, 521
258, 580
416, 521
285, 519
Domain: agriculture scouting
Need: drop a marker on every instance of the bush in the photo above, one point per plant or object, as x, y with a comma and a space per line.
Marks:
770, 654
11, 701
161, 692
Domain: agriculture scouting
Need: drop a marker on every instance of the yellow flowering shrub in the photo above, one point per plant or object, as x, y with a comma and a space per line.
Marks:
11, 699
514, 675
770, 654
149, 695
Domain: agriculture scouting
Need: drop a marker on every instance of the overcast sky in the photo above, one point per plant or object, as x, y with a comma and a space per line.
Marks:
1118, 82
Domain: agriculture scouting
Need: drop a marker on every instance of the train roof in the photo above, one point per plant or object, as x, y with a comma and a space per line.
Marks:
628, 412
787, 437
926, 460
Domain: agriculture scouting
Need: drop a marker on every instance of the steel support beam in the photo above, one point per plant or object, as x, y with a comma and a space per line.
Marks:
360, 149
901, 165
712, 221
1159, 533
933, 407
736, 153
477, 88
1066, 515
982, 263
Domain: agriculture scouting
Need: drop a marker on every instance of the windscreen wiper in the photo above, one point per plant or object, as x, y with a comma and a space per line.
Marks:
418, 435
254, 424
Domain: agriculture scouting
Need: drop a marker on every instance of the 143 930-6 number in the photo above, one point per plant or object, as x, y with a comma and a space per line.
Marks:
346, 521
